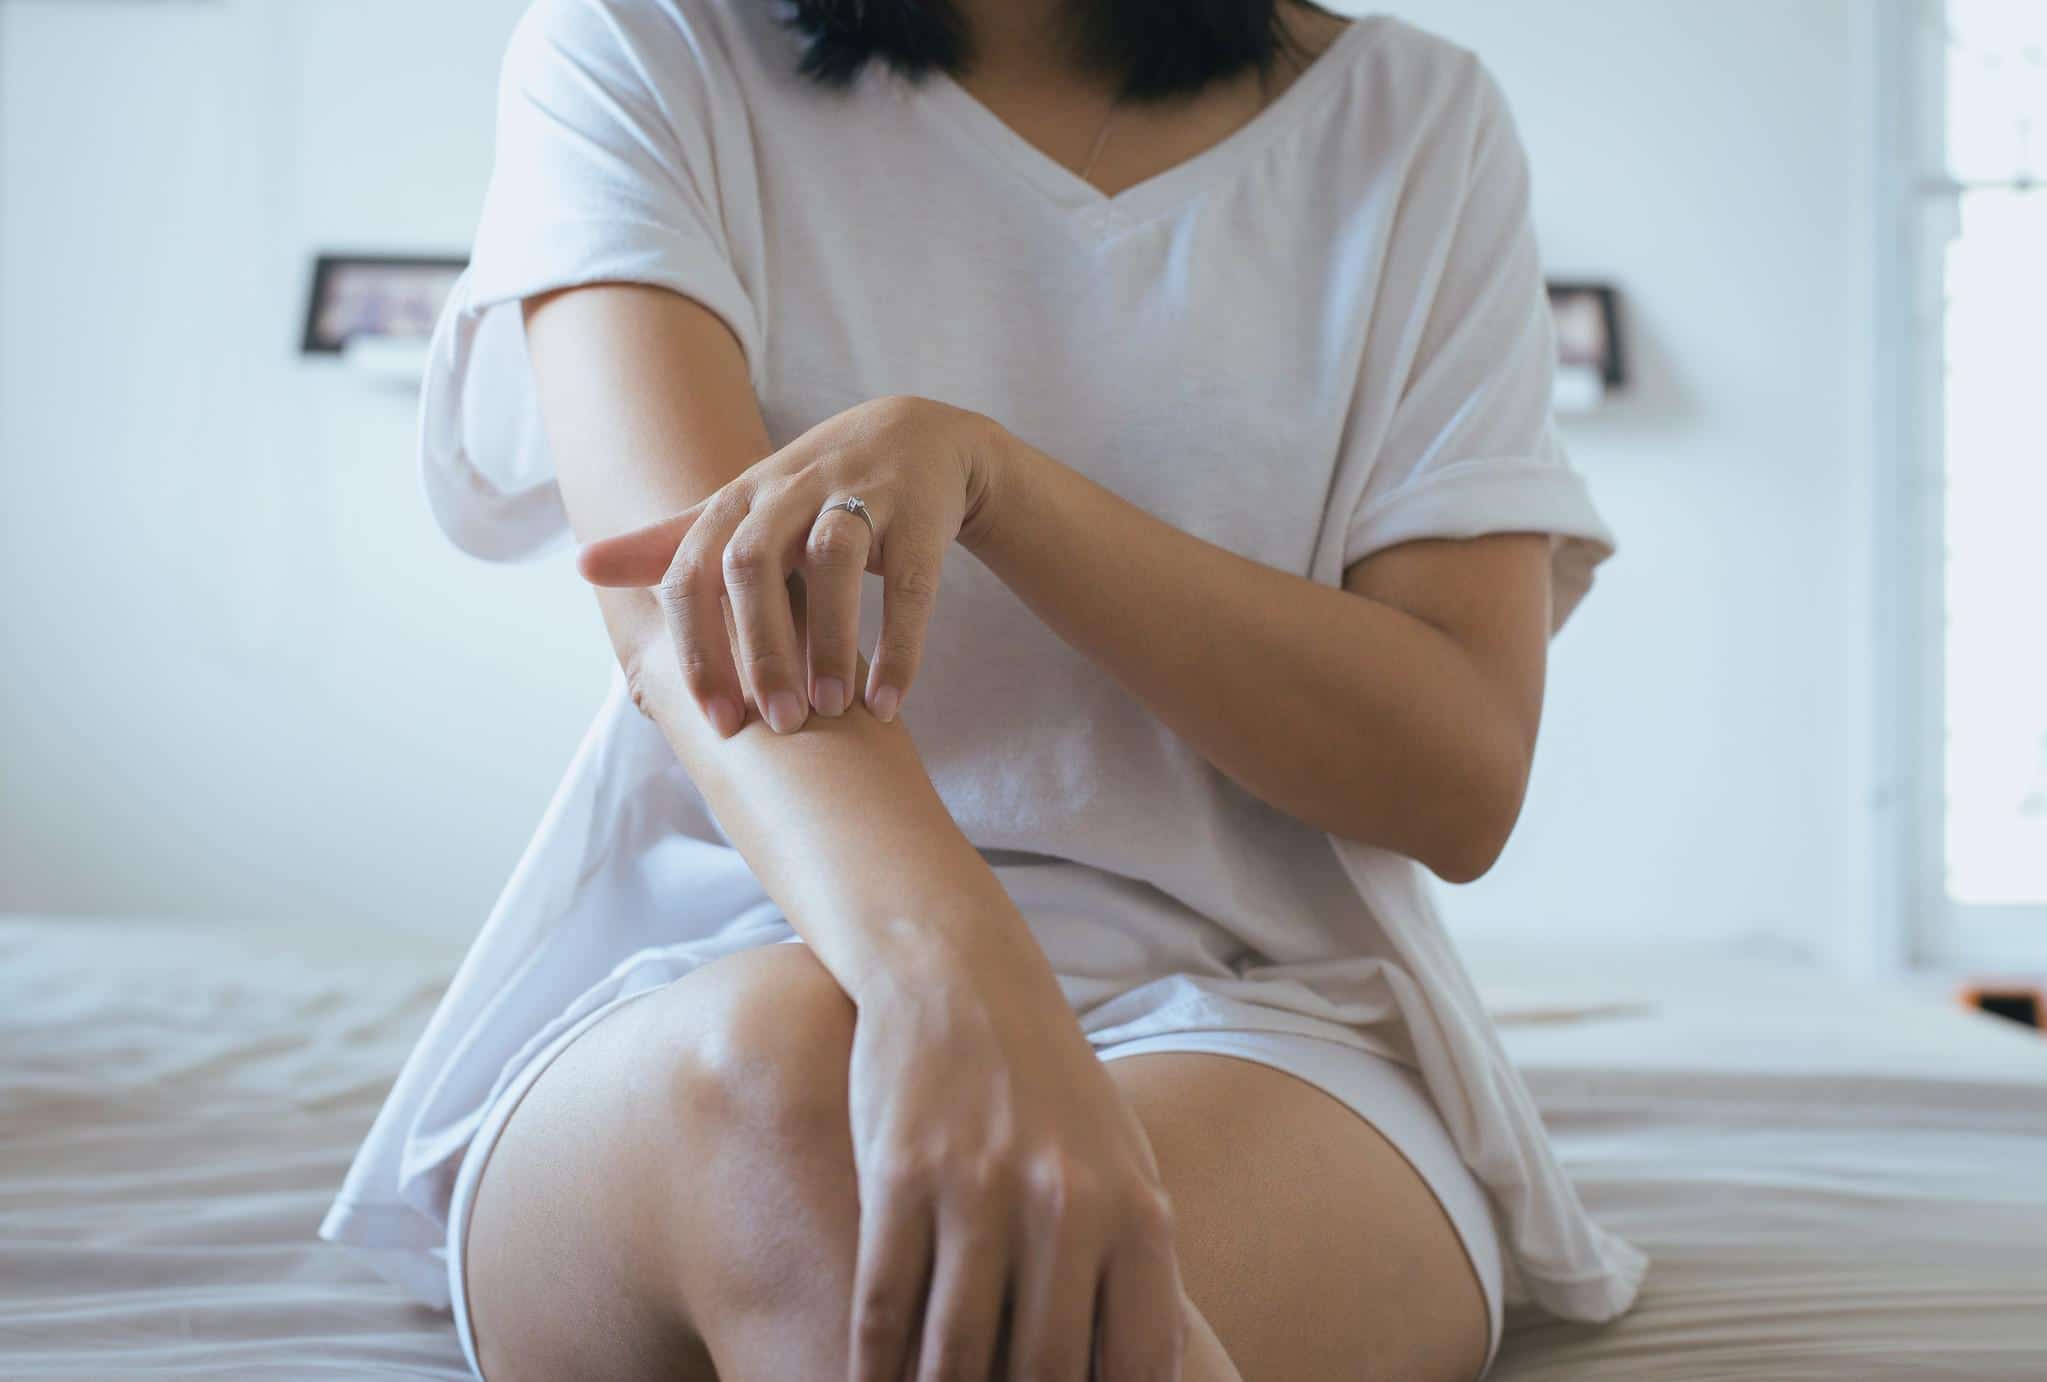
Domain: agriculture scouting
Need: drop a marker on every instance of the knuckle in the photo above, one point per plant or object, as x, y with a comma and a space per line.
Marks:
1061, 1186
733, 498
769, 663
917, 581
766, 487
981, 1181
747, 562
699, 673
837, 544
685, 581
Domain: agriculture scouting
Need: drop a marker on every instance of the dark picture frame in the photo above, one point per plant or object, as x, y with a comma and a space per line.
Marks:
395, 297
1589, 328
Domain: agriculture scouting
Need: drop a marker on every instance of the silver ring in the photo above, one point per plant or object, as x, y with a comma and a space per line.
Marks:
853, 506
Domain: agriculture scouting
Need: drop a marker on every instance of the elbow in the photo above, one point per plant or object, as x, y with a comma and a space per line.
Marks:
1478, 823
1466, 861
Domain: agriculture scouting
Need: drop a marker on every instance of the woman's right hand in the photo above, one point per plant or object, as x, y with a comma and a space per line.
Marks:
996, 1157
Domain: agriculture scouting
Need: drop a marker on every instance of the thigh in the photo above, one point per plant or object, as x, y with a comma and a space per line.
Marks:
560, 1248
675, 1193
1306, 1238
602, 1239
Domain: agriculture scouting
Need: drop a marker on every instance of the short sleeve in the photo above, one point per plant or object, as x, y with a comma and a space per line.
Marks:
1471, 447
621, 156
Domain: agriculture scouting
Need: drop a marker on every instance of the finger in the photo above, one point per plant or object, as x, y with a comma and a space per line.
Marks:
889, 1284
757, 583
1142, 1322
909, 575
834, 559
692, 605
967, 1285
1052, 1325
638, 558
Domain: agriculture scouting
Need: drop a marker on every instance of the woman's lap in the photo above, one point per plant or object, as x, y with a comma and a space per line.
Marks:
469, 1175
1303, 1197
1301, 1221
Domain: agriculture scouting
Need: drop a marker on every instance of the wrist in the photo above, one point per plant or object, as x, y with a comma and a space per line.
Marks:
960, 950
996, 459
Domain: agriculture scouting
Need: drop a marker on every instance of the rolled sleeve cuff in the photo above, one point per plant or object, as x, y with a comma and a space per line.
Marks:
483, 457
1480, 498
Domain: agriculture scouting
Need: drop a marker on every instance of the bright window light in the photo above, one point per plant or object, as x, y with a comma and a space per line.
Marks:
1995, 567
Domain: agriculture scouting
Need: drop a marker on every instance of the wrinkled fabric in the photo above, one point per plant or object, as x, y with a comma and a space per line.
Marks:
1837, 1184
1323, 337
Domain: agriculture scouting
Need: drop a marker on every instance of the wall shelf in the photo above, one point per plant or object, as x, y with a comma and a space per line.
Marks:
390, 364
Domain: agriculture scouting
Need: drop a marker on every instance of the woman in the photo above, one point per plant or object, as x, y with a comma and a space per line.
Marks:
1055, 997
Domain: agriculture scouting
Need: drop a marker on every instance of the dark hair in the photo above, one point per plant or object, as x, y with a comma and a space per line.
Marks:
1157, 48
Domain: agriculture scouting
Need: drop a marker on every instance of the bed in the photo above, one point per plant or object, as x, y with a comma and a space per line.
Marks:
1835, 1182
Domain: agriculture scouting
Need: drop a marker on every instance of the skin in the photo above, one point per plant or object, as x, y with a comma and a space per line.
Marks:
889, 1153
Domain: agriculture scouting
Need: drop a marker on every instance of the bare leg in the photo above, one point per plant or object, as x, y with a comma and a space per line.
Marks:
678, 1189
1306, 1238
676, 1198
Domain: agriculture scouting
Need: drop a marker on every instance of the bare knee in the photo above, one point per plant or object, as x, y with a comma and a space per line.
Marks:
753, 1136
673, 1170
758, 1049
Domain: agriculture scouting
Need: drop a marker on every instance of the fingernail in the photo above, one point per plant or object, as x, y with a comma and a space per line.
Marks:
884, 702
725, 716
831, 696
785, 712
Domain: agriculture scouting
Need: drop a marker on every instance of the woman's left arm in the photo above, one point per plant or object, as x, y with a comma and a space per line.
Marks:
1400, 711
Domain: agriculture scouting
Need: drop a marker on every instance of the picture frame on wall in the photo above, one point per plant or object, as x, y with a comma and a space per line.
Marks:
1590, 361
1589, 329
376, 301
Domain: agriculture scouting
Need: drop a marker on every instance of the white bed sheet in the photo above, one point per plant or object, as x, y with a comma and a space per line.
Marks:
1836, 1184
175, 1112
1833, 1181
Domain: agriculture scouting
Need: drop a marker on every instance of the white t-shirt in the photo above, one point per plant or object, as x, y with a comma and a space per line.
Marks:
1322, 337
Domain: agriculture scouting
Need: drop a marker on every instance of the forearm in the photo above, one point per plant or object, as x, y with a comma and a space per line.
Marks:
1346, 713
842, 826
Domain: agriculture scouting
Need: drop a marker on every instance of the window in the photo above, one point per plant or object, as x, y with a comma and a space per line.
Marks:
1979, 220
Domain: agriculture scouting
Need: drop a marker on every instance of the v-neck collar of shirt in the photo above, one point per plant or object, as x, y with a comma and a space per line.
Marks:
953, 107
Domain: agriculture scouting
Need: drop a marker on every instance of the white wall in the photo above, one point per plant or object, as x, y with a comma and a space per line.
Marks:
243, 675
1706, 760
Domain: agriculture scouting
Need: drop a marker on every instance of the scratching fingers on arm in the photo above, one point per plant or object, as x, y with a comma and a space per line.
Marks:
839, 548
757, 574
914, 464
909, 593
